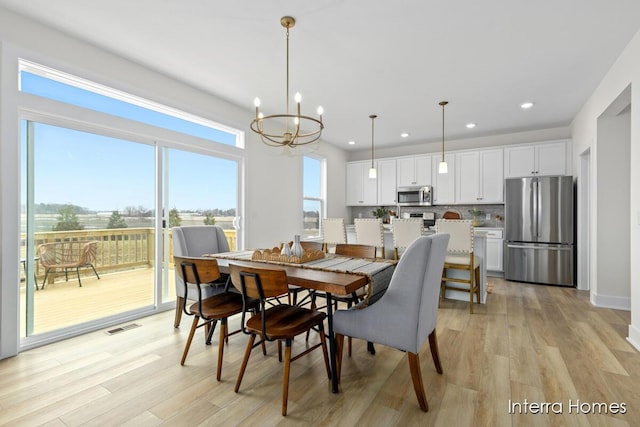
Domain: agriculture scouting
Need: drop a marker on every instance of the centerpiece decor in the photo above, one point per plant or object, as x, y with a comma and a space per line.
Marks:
280, 254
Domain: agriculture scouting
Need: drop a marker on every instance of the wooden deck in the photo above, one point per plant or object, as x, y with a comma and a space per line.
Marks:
63, 304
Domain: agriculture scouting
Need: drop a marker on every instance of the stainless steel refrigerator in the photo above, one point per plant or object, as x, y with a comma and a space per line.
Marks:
539, 233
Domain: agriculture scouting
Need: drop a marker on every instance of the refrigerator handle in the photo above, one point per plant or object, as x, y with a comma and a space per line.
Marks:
538, 209
535, 208
546, 248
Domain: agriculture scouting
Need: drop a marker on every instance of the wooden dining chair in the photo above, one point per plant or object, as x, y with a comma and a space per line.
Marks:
281, 322
195, 241
370, 231
406, 315
198, 272
356, 251
460, 256
405, 231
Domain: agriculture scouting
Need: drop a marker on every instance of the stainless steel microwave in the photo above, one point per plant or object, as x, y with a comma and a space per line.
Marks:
415, 196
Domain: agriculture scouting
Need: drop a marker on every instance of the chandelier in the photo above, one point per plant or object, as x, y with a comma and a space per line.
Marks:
298, 129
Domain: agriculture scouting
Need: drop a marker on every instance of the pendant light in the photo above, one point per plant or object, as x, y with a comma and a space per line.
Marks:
373, 174
442, 167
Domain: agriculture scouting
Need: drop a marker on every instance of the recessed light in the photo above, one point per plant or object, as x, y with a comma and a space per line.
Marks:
526, 105
404, 134
352, 142
470, 125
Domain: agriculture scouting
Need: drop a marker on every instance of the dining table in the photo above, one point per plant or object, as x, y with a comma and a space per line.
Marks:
332, 274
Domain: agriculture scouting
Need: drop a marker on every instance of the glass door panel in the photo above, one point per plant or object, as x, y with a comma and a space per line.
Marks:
80, 187
199, 189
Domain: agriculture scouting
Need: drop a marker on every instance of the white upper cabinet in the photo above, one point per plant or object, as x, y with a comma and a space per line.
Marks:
414, 171
361, 190
444, 190
537, 159
479, 176
387, 182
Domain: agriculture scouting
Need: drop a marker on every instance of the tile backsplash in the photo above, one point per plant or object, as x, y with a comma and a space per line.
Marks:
490, 210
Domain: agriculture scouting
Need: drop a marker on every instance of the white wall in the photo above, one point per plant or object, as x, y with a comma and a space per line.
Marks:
624, 72
273, 188
611, 288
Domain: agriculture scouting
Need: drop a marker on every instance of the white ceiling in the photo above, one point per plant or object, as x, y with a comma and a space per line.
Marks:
358, 57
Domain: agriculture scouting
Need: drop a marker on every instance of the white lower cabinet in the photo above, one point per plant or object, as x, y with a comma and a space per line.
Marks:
494, 249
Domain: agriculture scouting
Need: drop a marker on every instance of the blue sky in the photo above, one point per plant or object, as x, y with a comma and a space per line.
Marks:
104, 174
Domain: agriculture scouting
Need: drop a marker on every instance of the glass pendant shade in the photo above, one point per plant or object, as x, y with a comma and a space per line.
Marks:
443, 168
373, 174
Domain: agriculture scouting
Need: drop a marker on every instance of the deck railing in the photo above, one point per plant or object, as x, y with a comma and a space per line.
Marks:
118, 249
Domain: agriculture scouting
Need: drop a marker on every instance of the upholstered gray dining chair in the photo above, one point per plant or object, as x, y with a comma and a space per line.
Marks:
406, 315
195, 241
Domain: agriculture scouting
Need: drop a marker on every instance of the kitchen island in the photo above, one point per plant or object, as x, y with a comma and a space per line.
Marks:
480, 249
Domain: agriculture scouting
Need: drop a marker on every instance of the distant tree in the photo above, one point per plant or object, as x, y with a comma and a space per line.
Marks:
174, 218
209, 219
137, 212
116, 220
67, 219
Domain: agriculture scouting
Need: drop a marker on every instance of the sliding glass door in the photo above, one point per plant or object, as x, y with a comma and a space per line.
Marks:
198, 189
95, 208
81, 187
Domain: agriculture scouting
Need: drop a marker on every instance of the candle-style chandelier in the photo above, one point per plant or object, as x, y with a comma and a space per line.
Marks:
298, 129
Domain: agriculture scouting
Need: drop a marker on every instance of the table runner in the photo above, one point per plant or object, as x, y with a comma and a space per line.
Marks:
378, 271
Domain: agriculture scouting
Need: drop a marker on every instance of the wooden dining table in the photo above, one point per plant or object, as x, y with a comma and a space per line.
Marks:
329, 282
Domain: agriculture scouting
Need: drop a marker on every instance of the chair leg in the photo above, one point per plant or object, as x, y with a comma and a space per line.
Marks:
478, 284
435, 354
94, 271
416, 377
285, 378
279, 351
323, 343
471, 291
178, 317
370, 348
247, 353
223, 334
77, 274
211, 327
46, 273
194, 325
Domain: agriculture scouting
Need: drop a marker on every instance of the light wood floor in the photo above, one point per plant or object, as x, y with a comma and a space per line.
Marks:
539, 343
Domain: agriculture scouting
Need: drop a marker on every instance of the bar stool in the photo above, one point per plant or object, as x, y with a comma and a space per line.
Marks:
333, 232
370, 231
405, 231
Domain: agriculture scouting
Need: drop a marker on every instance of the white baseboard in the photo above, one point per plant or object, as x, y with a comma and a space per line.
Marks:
634, 337
606, 301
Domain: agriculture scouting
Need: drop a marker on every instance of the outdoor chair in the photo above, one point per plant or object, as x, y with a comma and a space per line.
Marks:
67, 256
